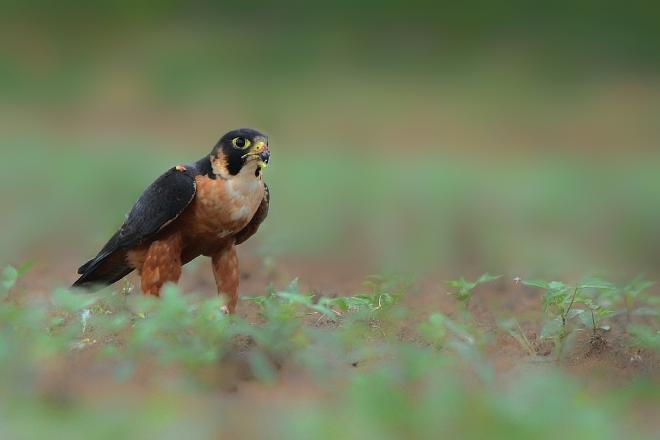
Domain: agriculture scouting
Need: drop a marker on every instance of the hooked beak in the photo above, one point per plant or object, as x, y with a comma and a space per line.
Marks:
261, 151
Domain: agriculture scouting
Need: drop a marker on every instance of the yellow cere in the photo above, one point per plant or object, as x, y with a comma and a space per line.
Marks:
259, 146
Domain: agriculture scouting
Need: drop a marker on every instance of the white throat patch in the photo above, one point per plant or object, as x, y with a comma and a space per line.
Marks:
245, 189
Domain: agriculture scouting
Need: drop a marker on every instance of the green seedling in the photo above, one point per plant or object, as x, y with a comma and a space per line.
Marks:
10, 275
383, 293
462, 338
8, 278
72, 302
369, 302
644, 337
560, 307
464, 290
286, 304
632, 292
434, 330
630, 299
595, 317
513, 328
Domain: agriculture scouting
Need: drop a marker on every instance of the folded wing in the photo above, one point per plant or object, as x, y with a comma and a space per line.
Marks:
160, 204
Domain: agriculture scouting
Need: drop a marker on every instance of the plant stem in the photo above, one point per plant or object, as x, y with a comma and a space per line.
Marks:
559, 343
593, 321
528, 345
628, 306
563, 317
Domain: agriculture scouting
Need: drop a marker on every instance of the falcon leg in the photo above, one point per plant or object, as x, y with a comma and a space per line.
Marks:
225, 269
162, 264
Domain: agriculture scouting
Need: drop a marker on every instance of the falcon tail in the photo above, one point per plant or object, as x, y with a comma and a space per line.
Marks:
103, 271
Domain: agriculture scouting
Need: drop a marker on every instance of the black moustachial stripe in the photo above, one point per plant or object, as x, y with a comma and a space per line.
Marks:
235, 162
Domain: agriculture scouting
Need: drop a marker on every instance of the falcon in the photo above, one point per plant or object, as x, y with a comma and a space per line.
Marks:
206, 208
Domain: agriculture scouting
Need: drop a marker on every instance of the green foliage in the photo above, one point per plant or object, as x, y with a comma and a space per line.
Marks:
71, 302
419, 384
633, 293
378, 404
561, 301
588, 304
434, 330
644, 337
9, 277
383, 293
462, 338
464, 289
513, 328
287, 304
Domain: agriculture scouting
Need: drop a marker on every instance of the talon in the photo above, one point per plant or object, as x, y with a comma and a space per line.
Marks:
180, 168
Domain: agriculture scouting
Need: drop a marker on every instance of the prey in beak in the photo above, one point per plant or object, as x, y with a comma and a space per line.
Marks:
259, 152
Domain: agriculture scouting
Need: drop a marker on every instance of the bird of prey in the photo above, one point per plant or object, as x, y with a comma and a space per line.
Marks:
205, 208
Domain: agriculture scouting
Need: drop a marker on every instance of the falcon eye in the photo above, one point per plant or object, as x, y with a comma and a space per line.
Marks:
241, 143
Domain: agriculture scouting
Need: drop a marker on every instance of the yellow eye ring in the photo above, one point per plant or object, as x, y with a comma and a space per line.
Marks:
241, 143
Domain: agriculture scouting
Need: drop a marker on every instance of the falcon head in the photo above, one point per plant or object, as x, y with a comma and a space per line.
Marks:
244, 149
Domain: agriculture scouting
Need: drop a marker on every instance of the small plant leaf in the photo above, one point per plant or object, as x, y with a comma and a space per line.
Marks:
637, 286
573, 313
585, 318
293, 286
262, 367
433, 330
596, 283
25, 267
541, 284
9, 277
645, 337
487, 278
72, 302
645, 311
464, 289
557, 286
513, 328
295, 298
551, 328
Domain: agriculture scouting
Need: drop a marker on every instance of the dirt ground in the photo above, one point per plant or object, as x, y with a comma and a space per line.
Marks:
602, 365
606, 360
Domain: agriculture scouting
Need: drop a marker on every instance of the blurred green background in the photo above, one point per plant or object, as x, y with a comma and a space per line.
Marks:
512, 137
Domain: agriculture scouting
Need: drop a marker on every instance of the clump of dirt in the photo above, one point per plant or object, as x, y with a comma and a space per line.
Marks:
598, 344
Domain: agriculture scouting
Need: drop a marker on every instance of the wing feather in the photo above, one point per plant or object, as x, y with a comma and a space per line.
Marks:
160, 204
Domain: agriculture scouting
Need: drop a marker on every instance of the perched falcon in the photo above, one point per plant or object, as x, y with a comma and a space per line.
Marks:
205, 208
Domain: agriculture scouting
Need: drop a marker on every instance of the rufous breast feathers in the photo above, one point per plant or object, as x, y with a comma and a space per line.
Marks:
225, 206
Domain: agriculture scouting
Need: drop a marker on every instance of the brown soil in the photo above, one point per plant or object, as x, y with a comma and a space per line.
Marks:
604, 357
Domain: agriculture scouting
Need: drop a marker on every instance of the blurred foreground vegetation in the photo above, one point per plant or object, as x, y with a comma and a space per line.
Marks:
118, 364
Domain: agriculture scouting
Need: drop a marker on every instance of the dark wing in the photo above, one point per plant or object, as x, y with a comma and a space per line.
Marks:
258, 218
160, 204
